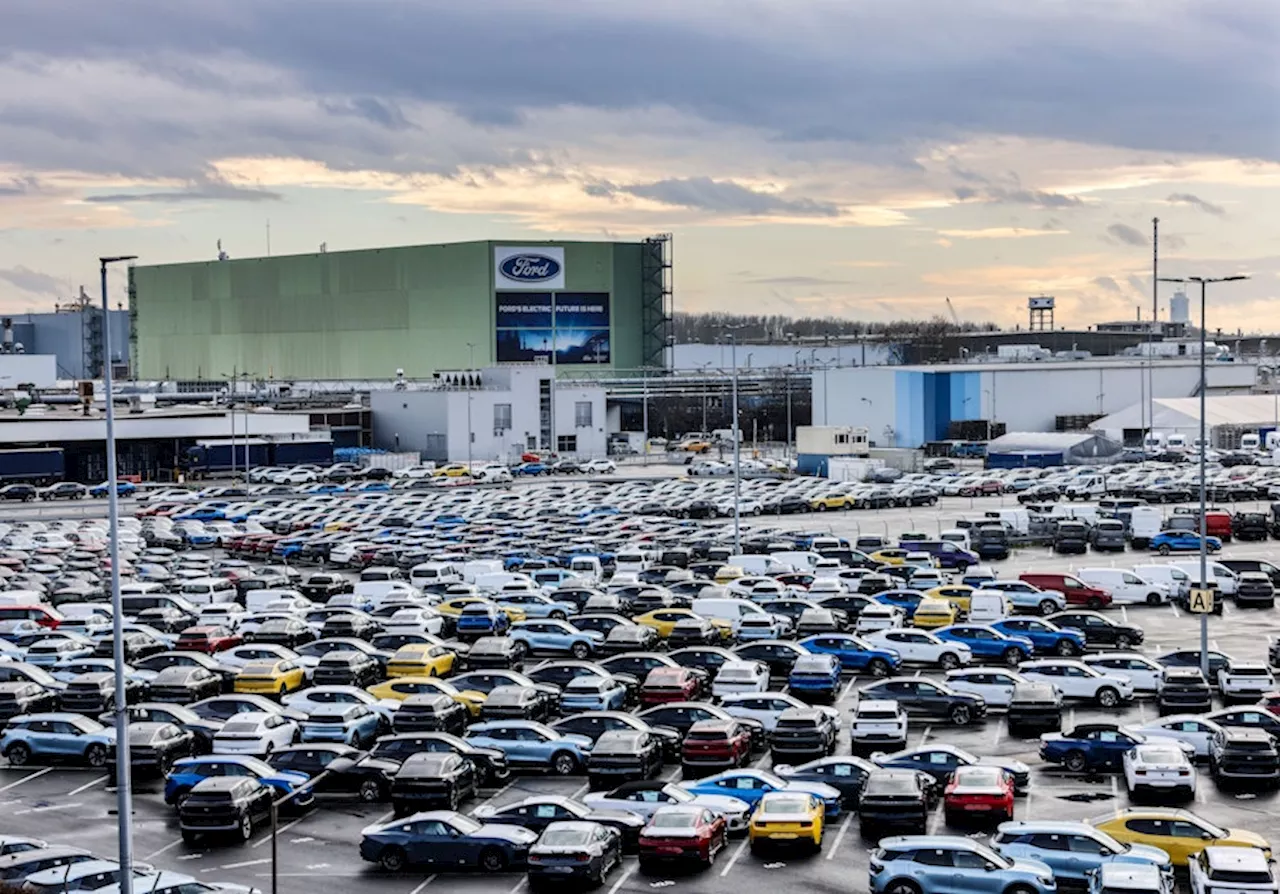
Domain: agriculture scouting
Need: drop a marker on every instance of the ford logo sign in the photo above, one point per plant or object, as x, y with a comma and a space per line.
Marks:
530, 268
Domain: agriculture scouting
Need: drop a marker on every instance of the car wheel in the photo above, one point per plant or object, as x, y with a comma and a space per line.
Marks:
878, 668
822, 507
902, 886
1047, 607
580, 651
949, 661
370, 791
520, 649
1018, 889
1123, 642
493, 860
18, 754
246, 827
95, 756
1164, 549
1076, 762
393, 859
960, 715
1108, 697
563, 763
1094, 603
1153, 599
1067, 648
1012, 656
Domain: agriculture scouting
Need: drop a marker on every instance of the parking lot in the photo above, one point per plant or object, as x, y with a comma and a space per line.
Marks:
318, 849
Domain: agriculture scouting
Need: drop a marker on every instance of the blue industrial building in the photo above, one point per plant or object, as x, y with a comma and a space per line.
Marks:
74, 335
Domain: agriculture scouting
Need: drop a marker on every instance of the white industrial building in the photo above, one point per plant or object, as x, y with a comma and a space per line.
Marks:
504, 411
777, 357
907, 406
1226, 417
28, 370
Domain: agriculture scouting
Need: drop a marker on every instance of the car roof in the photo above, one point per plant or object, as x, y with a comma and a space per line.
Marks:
1246, 858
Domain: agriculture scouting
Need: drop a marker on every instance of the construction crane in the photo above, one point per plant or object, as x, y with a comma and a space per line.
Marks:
955, 318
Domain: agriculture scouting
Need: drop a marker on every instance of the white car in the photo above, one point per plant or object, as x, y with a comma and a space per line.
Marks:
1156, 767
491, 473
1075, 679
644, 801
739, 677
874, 618
1240, 870
922, 647
878, 723
1189, 729
423, 620
994, 684
1245, 681
600, 467
414, 472
239, 656
1137, 668
765, 706
308, 701
254, 733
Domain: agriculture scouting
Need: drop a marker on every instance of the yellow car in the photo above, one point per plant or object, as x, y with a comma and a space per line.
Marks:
931, 613
400, 688
957, 594
664, 621
452, 470
728, 573
421, 660
787, 818
452, 608
832, 501
891, 556
270, 678
694, 446
1179, 833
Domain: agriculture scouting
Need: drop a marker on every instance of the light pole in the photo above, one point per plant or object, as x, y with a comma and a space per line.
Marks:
704, 398
1204, 446
471, 365
124, 788
786, 382
737, 452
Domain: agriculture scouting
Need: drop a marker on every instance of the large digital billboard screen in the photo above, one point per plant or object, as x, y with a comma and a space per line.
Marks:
530, 325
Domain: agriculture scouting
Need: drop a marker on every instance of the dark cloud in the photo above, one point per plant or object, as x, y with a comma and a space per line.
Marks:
1106, 282
206, 192
1173, 241
19, 186
383, 114
1127, 235
33, 281
1186, 198
1035, 197
726, 197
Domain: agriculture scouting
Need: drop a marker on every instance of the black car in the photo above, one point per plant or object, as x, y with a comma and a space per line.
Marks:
342, 668
639, 664
630, 638
95, 692
432, 780
693, 632
287, 632
540, 811
23, 493
803, 734
623, 755
1191, 658
1183, 690
202, 730
594, 724
1034, 708
354, 625
494, 651
562, 673
155, 745
323, 587
65, 490
1100, 630
704, 658
1071, 537
845, 773
430, 712
851, 604
166, 619
925, 698
574, 851
780, 656
514, 702
225, 805
165, 659
679, 716
1255, 589
490, 763
1242, 756
893, 800
24, 697
341, 769
1250, 526
1242, 565
184, 685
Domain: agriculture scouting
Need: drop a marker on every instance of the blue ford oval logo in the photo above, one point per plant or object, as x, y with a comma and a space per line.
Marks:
530, 268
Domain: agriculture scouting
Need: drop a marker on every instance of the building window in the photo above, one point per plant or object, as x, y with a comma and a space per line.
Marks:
567, 444
502, 417
582, 414
842, 438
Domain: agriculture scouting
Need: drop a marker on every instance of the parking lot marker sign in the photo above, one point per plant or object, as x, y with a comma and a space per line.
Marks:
1201, 602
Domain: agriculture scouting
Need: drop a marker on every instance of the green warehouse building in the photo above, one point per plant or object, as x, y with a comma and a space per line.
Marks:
364, 315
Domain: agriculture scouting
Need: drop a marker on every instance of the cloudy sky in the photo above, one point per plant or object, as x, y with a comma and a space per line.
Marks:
862, 158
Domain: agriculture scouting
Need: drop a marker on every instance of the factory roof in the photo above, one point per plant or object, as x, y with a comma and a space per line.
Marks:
1174, 413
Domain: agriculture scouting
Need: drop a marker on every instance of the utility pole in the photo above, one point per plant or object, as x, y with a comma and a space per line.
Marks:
644, 413
737, 454
1155, 317
471, 364
231, 411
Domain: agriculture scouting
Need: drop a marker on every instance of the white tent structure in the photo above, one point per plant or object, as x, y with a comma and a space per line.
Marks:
1225, 417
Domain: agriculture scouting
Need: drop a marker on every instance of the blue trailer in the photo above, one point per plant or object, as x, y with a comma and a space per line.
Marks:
38, 465
215, 457
317, 452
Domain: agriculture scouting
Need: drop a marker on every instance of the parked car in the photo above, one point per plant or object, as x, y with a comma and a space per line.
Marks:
441, 837
433, 779
230, 805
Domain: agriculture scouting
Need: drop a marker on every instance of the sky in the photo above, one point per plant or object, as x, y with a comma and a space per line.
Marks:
865, 159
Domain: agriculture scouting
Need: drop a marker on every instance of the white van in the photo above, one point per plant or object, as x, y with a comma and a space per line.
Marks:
1250, 441
718, 608
827, 568
762, 565
630, 561
1126, 587
1224, 576
497, 580
208, 590
1176, 442
1086, 487
800, 560
1145, 522
259, 600
377, 591
1087, 514
430, 574
958, 536
476, 567
22, 597
587, 569
988, 606
1175, 579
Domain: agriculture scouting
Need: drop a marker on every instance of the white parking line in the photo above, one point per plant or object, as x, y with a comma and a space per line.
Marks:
19, 782
848, 687
734, 859
934, 821
426, 881
520, 884
580, 791
280, 831
835, 845
244, 863
47, 809
616, 885
924, 736
673, 775
87, 786
498, 794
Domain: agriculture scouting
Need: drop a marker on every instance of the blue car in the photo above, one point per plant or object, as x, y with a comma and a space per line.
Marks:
815, 678
56, 736
907, 600
482, 619
554, 636
354, 725
1182, 542
186, 773
1046, 637
1090, 746
442, 838
202, 513
855, 654
988, 644
590, 693
1025, 597
952, 863
123, 489
533, 745
752, 785
1072, 850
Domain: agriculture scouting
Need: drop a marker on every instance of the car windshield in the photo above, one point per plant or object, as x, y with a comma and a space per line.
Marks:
675, 820
981, 776
565, 837
788, 806
238, 727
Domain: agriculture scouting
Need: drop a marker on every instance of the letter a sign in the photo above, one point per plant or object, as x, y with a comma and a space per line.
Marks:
1201, 602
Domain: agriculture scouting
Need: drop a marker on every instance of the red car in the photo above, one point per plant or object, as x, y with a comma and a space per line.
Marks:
44, 615
714, 745
1070, 586
680, 834
1270, 701
978, 792
208, 639
669, 684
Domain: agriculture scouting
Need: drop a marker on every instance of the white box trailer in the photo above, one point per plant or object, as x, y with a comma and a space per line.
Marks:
390, 461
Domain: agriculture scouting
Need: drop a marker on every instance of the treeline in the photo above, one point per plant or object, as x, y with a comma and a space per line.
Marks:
705, 328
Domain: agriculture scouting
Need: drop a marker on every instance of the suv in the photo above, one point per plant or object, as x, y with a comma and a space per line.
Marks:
1034, 707
1251, 526
1075, 590
1183, 690
950, 863
1244, 755
894, 798
430, 712
803, 734
1071, 537
879, 725
223, 804
1254, 588
1243, 869
623, 755
714, 745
